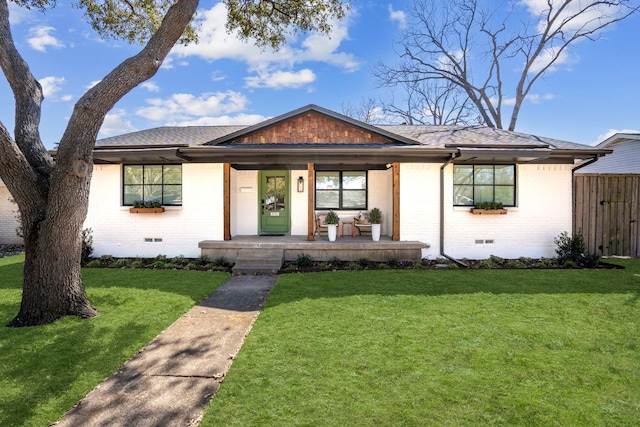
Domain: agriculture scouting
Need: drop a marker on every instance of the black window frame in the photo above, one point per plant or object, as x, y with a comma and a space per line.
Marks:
341, 191
494, 185
162, 199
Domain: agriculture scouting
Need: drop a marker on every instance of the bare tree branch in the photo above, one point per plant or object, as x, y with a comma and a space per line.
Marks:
476, 49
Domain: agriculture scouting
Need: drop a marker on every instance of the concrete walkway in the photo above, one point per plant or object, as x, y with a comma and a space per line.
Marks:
172, 379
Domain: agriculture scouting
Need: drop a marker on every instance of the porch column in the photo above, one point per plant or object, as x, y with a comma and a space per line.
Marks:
227, 201
311, 189
396, 202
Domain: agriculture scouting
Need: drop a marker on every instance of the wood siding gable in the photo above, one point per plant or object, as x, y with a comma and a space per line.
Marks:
312, 128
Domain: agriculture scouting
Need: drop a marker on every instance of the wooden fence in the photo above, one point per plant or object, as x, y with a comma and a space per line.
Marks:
606, 213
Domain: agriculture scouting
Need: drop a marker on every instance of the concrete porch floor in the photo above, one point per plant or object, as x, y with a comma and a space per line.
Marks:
345, 248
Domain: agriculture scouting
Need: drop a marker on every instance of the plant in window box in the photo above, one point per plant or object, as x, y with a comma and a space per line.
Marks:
146, 206
332, 220
489, 208
375, 218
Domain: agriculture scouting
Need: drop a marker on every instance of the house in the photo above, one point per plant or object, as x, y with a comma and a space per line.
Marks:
607, 198
9, 218
227, 184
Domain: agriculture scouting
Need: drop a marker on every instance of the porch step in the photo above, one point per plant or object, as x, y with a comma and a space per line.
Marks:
258, 261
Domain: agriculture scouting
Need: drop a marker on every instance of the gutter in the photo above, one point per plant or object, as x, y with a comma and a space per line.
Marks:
442, 253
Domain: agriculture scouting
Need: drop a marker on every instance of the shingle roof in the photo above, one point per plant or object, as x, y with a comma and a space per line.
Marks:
169, 136
481, 136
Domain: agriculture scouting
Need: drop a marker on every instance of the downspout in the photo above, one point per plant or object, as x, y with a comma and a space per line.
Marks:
442, 253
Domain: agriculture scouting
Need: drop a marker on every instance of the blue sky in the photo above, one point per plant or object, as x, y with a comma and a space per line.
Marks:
221, 80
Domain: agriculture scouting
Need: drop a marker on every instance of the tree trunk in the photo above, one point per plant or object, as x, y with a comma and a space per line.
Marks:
52, 286
54, 272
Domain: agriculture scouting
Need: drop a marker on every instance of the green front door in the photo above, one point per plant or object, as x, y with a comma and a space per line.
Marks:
274, 202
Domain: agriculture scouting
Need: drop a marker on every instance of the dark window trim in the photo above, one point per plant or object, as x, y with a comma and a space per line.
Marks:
340, 191
163, 185
494, 185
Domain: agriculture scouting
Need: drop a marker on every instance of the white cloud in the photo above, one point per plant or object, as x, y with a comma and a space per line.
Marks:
585, 21
51, 85
150, 86
18, 14
183, 106
547, 55
40, 38
214, 44
534, 98
115, 123
238, 119
281, 79
398, 16
612, 132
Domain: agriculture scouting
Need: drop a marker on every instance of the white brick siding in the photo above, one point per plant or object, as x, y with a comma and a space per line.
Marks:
543, 212
8, 218
120, 233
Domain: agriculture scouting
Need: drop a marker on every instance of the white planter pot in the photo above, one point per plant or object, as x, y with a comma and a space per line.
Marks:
375, 232
332, 231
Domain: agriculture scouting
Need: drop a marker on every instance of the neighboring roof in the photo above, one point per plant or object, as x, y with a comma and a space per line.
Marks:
251, 144
625, 158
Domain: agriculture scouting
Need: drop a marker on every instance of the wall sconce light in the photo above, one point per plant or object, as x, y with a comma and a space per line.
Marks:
300, 185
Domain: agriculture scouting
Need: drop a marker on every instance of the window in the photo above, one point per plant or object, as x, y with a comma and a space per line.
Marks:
152, 182
341, 190
484, 183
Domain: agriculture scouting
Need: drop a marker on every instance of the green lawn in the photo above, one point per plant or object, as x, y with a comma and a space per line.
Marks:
441, 348
46, 370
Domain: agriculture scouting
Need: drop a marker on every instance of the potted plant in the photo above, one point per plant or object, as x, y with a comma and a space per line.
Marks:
332, 220
491, 208
146, 206
375, 218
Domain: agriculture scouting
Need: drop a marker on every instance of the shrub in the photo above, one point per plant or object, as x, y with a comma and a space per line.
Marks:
180, 260
496, 260
417, 266
106, 260
87, 245
303, 261
191, 266
137, 264
393, 262
94, 264
121, 263
486, 263
161, 257
572, 249
354, 266
364, 262
159, 265
383, 266
221, 262
335, 261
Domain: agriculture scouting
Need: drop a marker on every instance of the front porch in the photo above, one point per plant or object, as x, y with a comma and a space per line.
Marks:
345, 248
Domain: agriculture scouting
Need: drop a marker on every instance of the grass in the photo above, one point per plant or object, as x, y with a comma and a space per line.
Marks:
46, 370
441, 348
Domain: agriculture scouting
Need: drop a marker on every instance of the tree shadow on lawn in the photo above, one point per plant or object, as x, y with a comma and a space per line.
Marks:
292, 287
48, 369
45, 370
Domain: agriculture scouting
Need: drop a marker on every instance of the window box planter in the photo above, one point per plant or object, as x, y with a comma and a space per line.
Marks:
476, 211
146, 210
